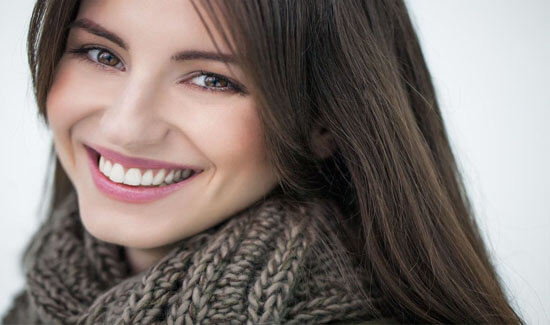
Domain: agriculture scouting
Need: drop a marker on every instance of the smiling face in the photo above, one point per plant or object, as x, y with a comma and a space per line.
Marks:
142, 85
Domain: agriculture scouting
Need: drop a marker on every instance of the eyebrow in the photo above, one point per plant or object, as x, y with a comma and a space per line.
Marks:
96, 29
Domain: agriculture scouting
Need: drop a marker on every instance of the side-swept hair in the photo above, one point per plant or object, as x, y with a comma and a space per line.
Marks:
356, 69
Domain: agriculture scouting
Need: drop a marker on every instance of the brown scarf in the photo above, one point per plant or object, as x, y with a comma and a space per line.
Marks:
261, 266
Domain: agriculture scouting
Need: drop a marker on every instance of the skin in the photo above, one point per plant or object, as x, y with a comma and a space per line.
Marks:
148, 106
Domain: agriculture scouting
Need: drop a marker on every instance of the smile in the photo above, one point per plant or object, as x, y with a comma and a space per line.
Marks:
135, 180
139, 177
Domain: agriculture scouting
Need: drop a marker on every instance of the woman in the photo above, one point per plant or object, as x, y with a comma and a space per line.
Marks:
247, 162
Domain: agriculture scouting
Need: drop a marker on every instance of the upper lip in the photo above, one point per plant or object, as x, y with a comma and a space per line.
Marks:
135, 162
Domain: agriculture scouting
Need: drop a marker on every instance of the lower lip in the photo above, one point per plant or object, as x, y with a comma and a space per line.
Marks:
127, 193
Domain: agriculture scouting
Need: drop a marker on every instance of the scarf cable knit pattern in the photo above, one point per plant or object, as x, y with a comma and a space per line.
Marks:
257, 267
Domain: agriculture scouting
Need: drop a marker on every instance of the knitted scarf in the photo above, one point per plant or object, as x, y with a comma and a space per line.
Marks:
262, 265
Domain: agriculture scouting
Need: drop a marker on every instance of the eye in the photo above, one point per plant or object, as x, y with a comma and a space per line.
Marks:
211, 81
214, 82
100, 56
104, 57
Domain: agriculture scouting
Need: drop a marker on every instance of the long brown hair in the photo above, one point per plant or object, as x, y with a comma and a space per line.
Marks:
356, 69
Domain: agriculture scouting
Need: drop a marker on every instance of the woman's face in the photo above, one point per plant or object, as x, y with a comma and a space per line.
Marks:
142, 85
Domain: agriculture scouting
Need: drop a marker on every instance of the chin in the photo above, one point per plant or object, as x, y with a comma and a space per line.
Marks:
119, 228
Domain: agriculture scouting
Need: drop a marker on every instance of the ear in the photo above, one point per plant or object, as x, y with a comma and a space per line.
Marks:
322, 142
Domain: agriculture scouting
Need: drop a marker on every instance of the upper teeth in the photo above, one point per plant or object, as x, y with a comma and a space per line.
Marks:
136, 177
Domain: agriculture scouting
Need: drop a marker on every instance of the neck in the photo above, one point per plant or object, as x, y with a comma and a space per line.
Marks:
140, 259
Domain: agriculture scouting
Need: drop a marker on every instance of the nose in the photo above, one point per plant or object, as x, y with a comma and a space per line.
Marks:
132, 119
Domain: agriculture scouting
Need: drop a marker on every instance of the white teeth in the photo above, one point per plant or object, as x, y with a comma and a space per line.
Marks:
147, 178
132, 177
185, 173
177, 175
169, 178
159, 177
107, 168
117, 173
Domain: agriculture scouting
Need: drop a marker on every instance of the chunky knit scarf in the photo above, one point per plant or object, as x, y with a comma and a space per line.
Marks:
261, 266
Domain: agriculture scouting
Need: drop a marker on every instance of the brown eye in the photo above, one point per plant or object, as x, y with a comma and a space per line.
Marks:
107, 58
215, 82
102, 57
99, 56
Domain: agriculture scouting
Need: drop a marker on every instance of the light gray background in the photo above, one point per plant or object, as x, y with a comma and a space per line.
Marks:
489, 61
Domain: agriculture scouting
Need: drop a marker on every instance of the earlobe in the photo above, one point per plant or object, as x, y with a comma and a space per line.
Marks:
322, 143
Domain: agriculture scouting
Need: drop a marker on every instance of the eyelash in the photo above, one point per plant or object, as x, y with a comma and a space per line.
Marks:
84, 54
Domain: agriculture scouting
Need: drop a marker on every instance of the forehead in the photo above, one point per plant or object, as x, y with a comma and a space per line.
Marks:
154, 24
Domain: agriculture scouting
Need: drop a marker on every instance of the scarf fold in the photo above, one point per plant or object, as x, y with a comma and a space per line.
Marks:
261, 266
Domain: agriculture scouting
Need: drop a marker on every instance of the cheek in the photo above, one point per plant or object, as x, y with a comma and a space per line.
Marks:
61, 113
76, 93
72, 97
237, 139
58, 113
66, 102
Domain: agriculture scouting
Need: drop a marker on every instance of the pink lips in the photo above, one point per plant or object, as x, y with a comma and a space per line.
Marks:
127, 193
137, 162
